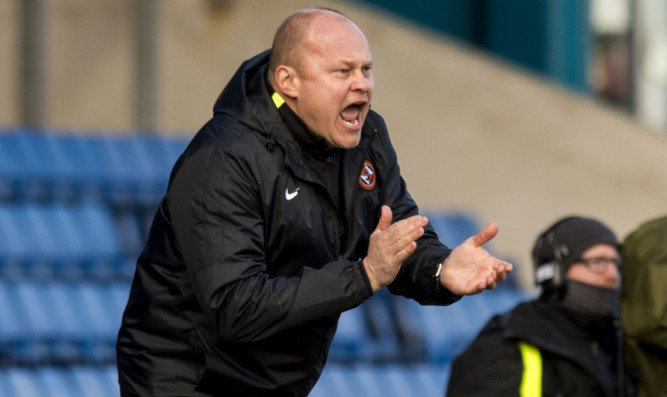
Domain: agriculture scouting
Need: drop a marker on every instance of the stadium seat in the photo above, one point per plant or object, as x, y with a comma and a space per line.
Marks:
56, 382
58, 240
59, 322
13, 328
448, 330
351, 340
453, 227
15, 242
383, 380
10, 166
59, 381
48, 165
93, 381
23, 382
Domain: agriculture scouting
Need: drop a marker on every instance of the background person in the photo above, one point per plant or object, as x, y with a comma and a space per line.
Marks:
644, 305
565, 342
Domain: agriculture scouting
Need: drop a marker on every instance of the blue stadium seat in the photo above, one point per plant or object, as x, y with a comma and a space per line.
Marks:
417, 379
14, 345
47, 165
337, 380
449, 329
58, 240
435, 377
57, 382
391, 380
371, 333
374, 381
452, 227
43, 322
16, 243
11, 169
395, 340
446, 329
351, 338
60, 322
23, 382
102, 250
135, 167
93, 381
100, 317
51, 174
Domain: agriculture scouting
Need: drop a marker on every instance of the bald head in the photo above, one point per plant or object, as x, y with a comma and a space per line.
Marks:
321, 67
292, 35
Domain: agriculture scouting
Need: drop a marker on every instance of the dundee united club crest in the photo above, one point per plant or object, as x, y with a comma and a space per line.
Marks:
367, 177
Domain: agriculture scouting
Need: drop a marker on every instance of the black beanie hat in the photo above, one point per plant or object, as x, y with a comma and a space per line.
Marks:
569, 238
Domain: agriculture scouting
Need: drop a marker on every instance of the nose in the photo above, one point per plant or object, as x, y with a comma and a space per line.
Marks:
362, 81
613, 272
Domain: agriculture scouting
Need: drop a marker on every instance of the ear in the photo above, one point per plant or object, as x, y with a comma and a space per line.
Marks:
287, 81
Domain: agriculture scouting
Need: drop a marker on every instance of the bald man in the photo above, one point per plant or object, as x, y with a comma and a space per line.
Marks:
286, 209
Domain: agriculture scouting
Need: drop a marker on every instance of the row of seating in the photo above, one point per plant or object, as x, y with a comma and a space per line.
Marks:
131, 169
387, 380
59, 322
388, 328
69, 241
59, 381
336, 380
77, 322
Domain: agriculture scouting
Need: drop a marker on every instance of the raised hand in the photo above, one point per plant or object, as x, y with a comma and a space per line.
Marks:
470, 269
390, 245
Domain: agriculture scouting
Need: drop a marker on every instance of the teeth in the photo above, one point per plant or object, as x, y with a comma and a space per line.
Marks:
352, 123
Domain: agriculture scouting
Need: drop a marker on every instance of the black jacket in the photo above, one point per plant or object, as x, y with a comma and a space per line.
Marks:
579, 354
249, 261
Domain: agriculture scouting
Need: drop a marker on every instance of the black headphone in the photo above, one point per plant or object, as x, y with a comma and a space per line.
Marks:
550, 275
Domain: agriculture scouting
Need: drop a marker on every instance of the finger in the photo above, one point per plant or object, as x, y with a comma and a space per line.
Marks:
401, 242
500, 277
508, 267
485, 235
481, 286
404, 253
406, 230
385, 218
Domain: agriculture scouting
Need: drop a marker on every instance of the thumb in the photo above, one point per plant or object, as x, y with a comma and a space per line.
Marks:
485, 235
385, 218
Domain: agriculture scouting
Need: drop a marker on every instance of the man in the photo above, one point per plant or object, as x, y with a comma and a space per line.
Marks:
286, 209
565, 342
644, 305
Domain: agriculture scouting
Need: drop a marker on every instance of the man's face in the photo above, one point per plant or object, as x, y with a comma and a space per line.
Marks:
334, 81
597, 266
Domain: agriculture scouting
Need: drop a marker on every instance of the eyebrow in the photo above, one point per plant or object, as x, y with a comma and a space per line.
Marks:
352, 64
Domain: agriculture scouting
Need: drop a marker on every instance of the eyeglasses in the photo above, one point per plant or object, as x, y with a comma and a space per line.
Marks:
599, 264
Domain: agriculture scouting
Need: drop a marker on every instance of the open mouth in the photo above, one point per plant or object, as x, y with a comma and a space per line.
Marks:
351, 115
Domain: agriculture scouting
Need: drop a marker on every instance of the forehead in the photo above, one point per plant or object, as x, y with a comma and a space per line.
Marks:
335, 38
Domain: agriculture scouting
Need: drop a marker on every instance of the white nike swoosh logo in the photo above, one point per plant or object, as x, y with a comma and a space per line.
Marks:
291, 195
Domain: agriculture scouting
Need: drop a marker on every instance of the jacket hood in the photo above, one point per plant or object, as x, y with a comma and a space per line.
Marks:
247, 98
